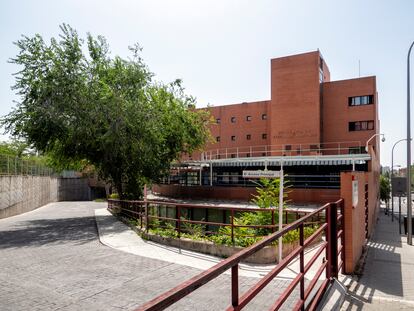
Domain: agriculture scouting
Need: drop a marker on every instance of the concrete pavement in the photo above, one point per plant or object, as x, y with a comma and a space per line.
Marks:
51, 259
115, 234
387, 282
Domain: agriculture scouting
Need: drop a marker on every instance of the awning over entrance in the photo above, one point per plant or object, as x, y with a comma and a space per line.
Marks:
347, 159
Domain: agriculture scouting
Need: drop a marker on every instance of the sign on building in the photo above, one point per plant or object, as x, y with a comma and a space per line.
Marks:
260, 174
399, 186
355, 193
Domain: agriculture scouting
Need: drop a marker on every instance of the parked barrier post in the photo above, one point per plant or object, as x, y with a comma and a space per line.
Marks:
232, 227
333, 261
328, 240
141, 214
179, 221
146, 217
302, 266
235, 285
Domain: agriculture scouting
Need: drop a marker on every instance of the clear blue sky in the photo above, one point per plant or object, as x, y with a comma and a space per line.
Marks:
222, 49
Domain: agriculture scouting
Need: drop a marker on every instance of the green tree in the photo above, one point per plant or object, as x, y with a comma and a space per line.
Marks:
385, 188
79, 104
268, 192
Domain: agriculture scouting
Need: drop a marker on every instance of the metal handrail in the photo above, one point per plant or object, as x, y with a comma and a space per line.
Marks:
331, 266
305, 148
144, 217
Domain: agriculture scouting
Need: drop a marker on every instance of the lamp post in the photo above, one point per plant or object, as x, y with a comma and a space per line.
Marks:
392, 175
409, 211
378, 134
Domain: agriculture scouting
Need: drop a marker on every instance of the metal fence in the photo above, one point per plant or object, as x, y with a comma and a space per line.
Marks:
310, 293
12, 165
209, 217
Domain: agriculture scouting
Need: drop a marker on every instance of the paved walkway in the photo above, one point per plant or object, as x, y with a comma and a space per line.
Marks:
387, 282
52, 259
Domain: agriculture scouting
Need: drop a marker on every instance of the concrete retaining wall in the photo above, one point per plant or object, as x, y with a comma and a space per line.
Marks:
20, 194
266, 255
73, 189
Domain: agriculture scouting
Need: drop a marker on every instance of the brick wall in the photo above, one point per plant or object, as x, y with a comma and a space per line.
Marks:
244, 193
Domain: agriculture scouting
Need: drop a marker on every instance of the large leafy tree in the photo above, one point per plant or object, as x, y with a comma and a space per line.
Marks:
77, 103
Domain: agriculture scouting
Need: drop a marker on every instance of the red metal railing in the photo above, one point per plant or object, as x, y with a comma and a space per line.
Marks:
333, 263
145, 211
316, 148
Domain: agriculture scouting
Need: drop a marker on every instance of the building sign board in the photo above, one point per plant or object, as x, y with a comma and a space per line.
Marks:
354, 193
260, 174
399, 186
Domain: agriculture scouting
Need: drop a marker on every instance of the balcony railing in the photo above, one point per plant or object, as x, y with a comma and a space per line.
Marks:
308, 149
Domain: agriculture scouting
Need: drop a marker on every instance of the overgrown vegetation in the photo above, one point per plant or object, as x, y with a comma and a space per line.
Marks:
80, 106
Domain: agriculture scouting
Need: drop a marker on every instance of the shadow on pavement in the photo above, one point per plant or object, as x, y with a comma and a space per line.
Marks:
39, 232
382, 273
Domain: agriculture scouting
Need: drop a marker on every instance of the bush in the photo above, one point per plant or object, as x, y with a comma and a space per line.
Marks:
114, 196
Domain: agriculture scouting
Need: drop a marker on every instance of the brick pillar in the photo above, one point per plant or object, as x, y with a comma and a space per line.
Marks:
354, 218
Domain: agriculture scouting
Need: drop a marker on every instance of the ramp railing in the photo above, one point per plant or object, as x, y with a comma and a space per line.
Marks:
332, 248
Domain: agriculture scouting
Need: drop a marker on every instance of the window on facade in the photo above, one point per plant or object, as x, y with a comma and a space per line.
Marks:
233, 138
248, 118
233, 119
233, 155
248, 136
218, 139
247, 155
218, 120
361, 126
357, 150
361, 100
288, 147
264, 136
264, 116
263, 154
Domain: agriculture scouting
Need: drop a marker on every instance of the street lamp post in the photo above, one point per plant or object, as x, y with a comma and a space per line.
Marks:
378, 134
392, 175
409, 211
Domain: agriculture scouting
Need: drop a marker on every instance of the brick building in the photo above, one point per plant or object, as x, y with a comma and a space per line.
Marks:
313, 127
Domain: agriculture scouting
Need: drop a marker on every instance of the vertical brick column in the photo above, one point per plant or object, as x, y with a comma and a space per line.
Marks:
354, 218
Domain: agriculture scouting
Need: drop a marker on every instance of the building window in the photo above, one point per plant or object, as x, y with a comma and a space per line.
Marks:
288, 147
361, 100
233, 155
357, 150
247, 155
248, 118
218, 120
263, 154
233, 119
264, 116
218, 139
248, 136
264, 136
361, 126
233, 138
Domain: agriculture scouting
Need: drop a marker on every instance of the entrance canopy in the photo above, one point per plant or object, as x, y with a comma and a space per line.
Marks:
341, 159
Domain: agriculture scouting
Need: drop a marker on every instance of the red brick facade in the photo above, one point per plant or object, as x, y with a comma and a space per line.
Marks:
306, 111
